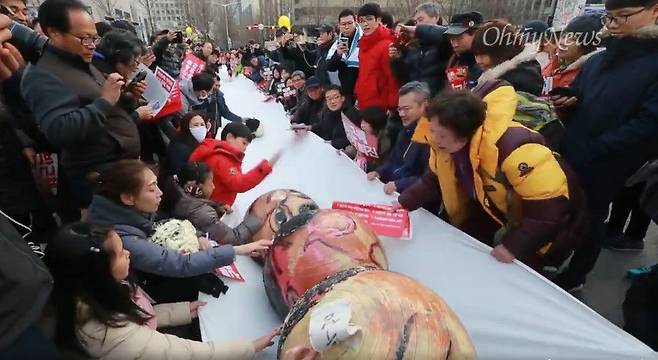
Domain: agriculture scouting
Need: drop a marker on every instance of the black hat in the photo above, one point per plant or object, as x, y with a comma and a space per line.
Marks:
325, 29
584, 24
619, 4
238, 130
460, 23
255, 126
313, 82
534, 28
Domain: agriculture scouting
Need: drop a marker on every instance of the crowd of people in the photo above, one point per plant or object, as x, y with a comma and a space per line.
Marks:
520, 136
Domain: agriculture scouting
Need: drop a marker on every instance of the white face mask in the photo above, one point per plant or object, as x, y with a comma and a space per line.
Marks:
199, 133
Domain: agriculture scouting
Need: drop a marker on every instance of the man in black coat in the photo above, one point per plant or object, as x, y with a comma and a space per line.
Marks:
76, 107
330, 126
343, 56
325, 41
423, 60
462, 69
611, 119
308, 111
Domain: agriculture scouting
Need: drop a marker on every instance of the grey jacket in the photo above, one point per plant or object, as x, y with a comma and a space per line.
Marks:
64, 93
203, 215
25, 283
189, 99
135, 228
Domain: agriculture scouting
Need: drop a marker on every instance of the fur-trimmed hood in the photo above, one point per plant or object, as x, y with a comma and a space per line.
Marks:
646, 33
581, 60
529, 53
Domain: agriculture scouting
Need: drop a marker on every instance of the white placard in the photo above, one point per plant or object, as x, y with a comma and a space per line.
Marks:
330, 324
155, 93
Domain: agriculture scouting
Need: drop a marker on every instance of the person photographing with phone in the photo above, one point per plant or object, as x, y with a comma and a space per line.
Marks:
119, 51
76, 107
343, 56
610, 118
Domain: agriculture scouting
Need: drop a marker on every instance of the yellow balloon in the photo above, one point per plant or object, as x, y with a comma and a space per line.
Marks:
189, 30
284, 21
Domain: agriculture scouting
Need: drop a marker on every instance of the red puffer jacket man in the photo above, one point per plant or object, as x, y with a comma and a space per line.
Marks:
376, 85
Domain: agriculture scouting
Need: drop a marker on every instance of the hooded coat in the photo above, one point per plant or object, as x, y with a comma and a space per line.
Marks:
522, 71
225, 162
516, 179
135, 228
376, 85
426, 60
555, 77
612, 130
203, 215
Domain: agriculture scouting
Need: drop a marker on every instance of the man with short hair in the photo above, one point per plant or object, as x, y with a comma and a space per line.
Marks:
75, 106
462, 69
426, 58
169, 52
343, 56
217, 107
18, 10
196, 92
330, 126
408, 160
376, 85
282, 55
308, 111
325, 42
611, 112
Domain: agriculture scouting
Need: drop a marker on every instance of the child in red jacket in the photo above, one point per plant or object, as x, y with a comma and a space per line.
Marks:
225, 159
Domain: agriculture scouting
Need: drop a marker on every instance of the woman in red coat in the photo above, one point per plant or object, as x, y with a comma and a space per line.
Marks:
376, 85
578, 42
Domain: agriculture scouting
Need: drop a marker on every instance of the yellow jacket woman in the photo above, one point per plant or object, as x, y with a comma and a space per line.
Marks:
483, 161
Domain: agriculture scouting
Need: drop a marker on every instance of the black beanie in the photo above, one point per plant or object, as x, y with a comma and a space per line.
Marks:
619, 4
584, 24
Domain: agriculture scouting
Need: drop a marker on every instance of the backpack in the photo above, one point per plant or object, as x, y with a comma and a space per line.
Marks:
539, 115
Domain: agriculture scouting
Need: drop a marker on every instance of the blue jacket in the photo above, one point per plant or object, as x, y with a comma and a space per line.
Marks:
613, 129
135, 228
406, 162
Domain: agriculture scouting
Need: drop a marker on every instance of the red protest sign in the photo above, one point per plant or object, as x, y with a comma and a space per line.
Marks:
174, 103
384, 220
230, 272
457, 76
45, 173
358, 138
191, 66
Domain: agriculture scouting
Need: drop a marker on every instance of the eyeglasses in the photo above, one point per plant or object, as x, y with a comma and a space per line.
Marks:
333, 98
607, 20
366, 19
88, 41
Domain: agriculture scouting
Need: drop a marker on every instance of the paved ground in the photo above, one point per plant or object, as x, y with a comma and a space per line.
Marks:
606, 286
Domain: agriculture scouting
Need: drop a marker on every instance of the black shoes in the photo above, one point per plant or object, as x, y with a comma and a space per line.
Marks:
625, 243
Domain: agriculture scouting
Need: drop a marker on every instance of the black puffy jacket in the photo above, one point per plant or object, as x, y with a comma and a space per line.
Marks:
426, 59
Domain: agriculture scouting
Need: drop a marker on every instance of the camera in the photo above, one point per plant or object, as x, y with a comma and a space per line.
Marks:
28, 42
343, 41
402, 41
179, 37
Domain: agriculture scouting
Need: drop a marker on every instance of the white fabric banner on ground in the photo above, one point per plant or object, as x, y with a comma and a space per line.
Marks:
510, 312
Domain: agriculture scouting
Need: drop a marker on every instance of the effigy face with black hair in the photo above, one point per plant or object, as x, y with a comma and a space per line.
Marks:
312, 246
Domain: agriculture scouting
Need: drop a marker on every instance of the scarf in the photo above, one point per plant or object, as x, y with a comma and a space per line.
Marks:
352, 56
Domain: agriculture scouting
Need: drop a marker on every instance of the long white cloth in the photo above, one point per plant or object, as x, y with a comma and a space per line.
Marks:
510, 312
